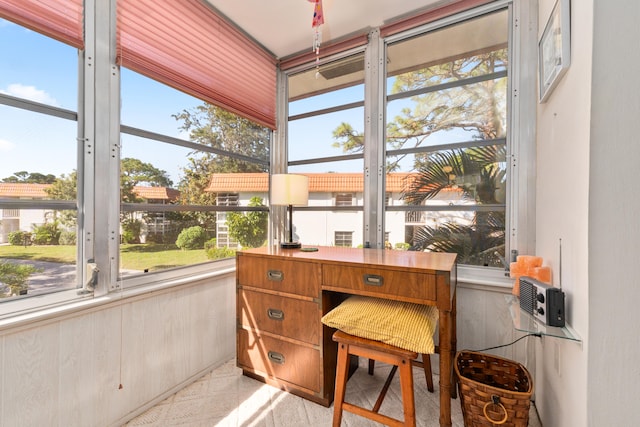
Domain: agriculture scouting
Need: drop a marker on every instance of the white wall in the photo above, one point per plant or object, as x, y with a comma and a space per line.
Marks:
587, 169
562, 197
66, 371
614, 225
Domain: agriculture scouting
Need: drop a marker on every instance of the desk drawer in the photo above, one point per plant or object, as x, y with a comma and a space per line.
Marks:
277, 359
300, 278
297, 319
410, 286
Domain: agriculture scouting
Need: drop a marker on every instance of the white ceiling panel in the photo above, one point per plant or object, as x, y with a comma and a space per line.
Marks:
284, 26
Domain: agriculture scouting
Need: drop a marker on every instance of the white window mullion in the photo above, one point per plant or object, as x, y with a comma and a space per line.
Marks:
374, 136
101, 128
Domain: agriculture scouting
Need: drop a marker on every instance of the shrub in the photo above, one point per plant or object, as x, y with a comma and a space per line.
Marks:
191, 238
249, 228
68, 238
219, 253
20, 238
210, 244
154, 238
46, 234
15, 276
131, 230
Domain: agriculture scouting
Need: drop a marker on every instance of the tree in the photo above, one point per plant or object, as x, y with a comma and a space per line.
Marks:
249, 228
134, 172
473, 108
476, 109
30, 178
217, 128
481, 242
65, 188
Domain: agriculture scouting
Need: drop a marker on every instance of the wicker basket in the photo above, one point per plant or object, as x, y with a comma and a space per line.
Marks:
493, 391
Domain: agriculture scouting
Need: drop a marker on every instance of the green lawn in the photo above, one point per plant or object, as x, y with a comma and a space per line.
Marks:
132, 257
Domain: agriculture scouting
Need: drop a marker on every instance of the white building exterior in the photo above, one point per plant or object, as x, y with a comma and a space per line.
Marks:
326, 226
26, 219
21, 219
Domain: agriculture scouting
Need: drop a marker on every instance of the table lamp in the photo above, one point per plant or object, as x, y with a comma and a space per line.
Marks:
289, 190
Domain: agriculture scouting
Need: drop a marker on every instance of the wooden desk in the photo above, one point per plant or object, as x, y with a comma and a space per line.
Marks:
283, 293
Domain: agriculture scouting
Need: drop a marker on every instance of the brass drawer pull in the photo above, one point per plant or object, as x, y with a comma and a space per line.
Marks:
373, 280
275, 314
276, 357
275, 275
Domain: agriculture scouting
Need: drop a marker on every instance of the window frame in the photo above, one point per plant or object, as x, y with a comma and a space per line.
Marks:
98, 166
520, 229
500, 141
520, 207
26, 304
344, 199
344, 237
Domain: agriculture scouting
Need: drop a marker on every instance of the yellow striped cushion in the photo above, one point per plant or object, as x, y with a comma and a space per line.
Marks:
401, 324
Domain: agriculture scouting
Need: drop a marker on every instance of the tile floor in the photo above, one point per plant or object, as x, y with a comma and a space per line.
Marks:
226, 398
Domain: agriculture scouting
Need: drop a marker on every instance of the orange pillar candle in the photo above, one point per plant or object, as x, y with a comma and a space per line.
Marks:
530, 266
542, 274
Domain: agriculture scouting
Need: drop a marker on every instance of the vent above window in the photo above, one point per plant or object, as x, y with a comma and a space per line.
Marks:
342, 68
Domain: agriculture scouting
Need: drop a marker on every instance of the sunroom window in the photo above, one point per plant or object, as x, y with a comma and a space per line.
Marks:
444, 141
38, 147
325, 104
446, 144
172, 151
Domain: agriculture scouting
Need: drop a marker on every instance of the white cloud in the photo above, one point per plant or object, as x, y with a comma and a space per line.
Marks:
6, 145
29, 92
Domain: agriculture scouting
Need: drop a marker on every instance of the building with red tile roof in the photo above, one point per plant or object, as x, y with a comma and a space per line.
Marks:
318, 182
22, 190
325, 225
26, 219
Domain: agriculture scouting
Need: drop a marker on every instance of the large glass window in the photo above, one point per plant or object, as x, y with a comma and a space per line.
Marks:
172, 150
446, 140
38, 148
326, 106
194, 177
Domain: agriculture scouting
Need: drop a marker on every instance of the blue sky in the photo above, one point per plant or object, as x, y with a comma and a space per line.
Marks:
44, 70
22, 140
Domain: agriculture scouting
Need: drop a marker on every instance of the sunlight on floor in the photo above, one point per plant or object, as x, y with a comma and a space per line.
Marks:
226, 398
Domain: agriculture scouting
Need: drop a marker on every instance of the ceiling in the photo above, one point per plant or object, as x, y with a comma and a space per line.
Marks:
284, 26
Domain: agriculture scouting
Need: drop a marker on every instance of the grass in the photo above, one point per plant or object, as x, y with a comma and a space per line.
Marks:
132, 257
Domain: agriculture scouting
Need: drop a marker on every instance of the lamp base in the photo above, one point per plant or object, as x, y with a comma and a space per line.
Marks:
290, 245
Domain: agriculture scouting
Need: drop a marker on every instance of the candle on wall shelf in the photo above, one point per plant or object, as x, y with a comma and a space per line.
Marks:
529, 266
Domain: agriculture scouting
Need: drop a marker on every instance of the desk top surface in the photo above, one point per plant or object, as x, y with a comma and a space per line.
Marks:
434, 261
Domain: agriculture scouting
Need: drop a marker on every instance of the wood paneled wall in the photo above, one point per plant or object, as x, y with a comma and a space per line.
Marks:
104, 366
68, 371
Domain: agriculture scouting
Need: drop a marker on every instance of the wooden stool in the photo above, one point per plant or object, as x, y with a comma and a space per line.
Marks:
374, 350
425, 364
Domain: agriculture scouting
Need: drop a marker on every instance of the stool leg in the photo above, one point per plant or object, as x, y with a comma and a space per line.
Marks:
372, 365
406, 384
341, 382
385, 388
426, 364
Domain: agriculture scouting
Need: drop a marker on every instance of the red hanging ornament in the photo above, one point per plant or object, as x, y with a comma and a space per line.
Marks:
318, 16
318, 19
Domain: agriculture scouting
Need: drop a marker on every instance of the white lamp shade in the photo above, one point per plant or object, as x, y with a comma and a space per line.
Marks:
289, 189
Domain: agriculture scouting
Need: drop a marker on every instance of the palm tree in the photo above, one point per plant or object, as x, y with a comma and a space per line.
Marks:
481, 242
